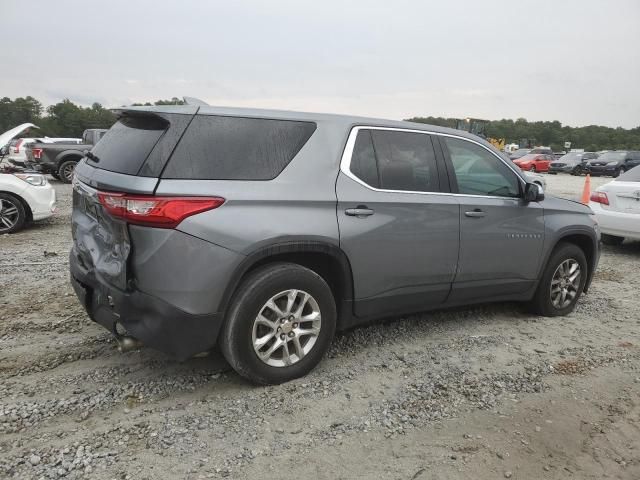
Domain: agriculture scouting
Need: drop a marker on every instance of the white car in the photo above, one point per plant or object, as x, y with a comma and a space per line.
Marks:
617, 208
24, 197
536, 178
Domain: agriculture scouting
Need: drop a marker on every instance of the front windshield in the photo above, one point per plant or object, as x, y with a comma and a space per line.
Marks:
612, 157
530, 156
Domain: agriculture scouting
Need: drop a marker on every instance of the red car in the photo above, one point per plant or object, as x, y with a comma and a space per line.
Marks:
535, 162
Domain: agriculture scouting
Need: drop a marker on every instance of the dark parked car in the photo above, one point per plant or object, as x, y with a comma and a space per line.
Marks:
614, 163
59, 159
263, 232
574, 163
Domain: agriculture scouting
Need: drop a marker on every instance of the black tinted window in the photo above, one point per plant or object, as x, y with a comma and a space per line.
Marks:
234, 148
479, 172
406, 161
125, 147
363, 160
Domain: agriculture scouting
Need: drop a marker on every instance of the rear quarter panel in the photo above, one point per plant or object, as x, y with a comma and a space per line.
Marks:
298, 205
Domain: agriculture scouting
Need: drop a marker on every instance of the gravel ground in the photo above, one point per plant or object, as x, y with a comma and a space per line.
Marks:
484, 392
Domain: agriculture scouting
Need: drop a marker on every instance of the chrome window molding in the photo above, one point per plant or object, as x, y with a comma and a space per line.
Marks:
345, 162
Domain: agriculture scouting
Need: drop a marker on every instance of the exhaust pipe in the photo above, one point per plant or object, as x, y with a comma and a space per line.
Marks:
126, 344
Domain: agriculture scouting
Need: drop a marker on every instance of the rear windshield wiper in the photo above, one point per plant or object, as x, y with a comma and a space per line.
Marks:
91, 156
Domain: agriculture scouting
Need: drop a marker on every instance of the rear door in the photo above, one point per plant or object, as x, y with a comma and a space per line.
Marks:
501, 236
398, 225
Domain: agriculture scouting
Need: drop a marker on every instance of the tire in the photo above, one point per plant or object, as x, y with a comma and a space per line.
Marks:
533, 168
13, 215
65, 171
236, 340
613, 240
542, 302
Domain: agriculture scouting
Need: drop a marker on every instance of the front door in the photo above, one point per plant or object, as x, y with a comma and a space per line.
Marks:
400, 232
501, 236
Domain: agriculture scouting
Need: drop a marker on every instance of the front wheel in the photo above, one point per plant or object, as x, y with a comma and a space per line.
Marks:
65, 172
562, 281
533, 168
280, 324
12, 213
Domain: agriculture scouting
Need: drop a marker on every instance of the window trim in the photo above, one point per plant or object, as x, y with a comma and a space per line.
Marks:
345, 162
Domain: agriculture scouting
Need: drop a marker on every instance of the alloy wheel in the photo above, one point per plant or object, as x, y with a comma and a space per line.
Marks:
9, 215
286, 328
66, 172
565, 283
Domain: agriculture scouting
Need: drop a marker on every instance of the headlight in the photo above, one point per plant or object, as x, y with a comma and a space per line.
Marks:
611, 164
34, 179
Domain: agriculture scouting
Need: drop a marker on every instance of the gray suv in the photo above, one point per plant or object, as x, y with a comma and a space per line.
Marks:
264, 232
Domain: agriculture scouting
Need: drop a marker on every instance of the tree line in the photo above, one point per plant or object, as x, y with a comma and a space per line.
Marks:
553, 134
66, 119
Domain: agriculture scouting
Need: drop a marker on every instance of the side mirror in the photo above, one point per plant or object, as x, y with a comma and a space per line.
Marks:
533, 193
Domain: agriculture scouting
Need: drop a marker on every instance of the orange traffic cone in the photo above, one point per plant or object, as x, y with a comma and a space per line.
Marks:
586, 191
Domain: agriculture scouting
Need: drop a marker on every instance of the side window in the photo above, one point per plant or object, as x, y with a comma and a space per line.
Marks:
478, 172
237, 148
406, 161
363, 160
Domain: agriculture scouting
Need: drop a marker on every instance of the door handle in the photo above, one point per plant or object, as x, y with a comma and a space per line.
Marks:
360, 211
475, 213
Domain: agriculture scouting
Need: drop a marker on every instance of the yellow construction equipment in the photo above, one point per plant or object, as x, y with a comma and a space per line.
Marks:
477, 127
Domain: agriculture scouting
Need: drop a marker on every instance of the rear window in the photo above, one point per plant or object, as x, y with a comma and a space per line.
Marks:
236, 148
125, 147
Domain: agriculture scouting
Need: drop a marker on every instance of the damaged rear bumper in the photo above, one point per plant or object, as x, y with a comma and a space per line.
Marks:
151, 320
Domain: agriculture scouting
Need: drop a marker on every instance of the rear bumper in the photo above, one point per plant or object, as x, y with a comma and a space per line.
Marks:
620, 224
602, 170
563, 169
151, 320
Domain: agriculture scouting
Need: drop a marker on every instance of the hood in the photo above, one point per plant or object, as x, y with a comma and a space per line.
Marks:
9, 135
556, 203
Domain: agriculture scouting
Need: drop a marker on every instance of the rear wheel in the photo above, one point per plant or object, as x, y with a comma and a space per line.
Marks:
280, 324
533, 168
12, 213
611, 239
562, 281
65, 172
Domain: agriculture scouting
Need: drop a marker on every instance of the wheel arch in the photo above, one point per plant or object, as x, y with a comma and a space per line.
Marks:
27, 207
327, 260
67, 155
588, 243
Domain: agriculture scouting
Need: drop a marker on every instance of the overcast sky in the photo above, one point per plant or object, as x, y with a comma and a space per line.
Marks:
574, 61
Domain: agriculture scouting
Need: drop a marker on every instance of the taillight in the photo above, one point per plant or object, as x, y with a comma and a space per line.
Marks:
599, 197
37, 153
161, 212
16, 149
